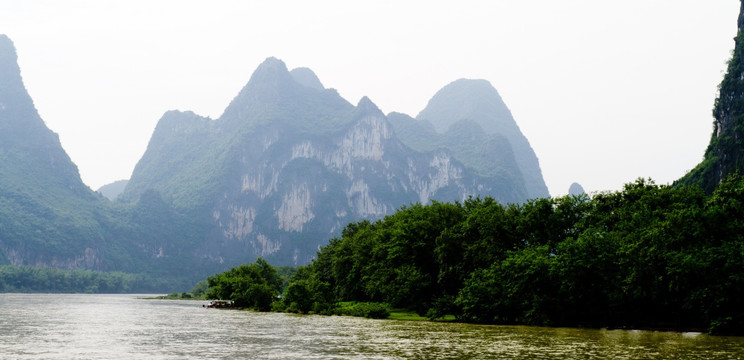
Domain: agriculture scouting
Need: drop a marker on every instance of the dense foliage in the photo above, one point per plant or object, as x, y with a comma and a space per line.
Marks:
254, 286
651, 256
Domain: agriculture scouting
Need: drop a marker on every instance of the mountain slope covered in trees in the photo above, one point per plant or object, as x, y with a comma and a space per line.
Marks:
47, 214
49, 218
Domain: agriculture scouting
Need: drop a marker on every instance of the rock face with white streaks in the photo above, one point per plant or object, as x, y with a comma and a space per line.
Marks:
289, 164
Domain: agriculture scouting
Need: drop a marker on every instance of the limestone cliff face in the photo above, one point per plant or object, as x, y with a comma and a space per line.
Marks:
725, 153
727, 145
283, 170
309, 187
288, 165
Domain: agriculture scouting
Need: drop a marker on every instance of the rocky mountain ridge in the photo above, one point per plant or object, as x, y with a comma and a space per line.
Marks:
291, 160
282, 171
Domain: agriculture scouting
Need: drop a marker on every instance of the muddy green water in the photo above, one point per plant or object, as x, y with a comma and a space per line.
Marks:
42, 326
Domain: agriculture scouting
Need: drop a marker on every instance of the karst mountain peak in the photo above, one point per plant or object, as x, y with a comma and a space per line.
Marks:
290, 159
286, 166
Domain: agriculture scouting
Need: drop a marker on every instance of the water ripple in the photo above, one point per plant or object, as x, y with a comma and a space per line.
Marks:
43, 326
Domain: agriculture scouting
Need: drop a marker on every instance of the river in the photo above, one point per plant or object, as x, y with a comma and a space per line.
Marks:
73, 326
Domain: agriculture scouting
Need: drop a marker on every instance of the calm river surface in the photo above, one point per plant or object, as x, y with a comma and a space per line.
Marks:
42, 326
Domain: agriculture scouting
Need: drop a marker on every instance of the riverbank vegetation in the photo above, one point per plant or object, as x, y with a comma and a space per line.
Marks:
649, 256
198, 292
29, 279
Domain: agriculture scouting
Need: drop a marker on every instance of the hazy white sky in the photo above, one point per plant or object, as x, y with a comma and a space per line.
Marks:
605, 91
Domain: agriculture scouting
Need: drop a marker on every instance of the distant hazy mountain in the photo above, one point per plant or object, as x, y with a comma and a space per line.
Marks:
478, 102
30, 150
112, 190
489, 155
576, 189
290, 163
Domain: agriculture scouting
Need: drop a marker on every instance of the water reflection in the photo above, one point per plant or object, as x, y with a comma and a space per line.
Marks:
123, 326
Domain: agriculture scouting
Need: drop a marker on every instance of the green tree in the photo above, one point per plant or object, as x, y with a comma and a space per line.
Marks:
253, 286
298, 296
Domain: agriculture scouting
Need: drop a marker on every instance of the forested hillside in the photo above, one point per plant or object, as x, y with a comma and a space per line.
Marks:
47, 215
49, 219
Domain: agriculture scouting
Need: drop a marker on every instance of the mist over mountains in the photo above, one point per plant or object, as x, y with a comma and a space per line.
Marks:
286, 166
